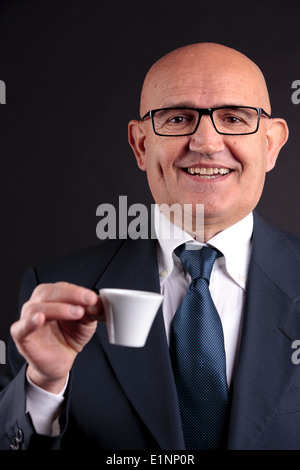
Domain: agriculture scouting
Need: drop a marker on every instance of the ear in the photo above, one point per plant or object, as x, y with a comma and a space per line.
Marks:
277, 135
136, 139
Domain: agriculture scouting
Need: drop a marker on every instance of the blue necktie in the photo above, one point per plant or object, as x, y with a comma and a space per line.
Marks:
198, 356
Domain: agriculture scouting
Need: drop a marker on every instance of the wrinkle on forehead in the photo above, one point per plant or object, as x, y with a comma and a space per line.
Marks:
211, 68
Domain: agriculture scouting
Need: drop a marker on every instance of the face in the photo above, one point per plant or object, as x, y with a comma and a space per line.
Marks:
179, 168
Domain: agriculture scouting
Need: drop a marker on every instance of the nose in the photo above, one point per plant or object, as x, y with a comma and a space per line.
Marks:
206, 139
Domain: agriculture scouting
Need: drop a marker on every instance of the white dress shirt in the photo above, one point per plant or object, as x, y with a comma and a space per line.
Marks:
227, 282
227, 287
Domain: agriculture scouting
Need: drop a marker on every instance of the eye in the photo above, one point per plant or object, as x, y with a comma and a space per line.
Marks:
182, 118
177, 119
233, 119
174, 120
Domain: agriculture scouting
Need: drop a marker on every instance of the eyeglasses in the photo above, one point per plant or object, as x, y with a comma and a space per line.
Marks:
227, 120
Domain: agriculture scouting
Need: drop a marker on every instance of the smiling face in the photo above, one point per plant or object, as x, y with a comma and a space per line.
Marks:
226, 173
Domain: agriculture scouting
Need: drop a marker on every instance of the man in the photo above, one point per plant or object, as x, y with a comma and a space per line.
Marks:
68, 386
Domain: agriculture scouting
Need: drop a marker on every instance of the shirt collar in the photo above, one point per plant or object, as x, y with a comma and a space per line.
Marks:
234, 242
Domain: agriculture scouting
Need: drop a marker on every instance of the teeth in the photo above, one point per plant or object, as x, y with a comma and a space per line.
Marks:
208, 171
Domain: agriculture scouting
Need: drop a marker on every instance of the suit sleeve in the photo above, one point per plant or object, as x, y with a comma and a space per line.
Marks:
16, 428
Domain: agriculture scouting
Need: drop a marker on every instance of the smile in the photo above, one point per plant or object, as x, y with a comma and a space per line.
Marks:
208, 173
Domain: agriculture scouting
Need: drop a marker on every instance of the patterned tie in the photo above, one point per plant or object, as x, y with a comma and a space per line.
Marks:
198, 356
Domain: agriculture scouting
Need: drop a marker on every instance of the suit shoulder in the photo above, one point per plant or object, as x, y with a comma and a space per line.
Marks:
293, 239
274, 234
81, 267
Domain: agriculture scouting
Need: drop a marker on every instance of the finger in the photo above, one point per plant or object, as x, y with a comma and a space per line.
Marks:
53, 310
25, 326
96, 312
64, 292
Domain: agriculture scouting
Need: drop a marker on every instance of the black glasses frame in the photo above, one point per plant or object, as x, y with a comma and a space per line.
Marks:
201, 112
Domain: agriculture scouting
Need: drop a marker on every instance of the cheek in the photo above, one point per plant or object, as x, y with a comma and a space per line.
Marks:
251, 156
251, 162
161, 173
156, 168
160, 156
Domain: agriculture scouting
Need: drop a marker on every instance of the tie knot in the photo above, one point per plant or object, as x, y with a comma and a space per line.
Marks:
198, 263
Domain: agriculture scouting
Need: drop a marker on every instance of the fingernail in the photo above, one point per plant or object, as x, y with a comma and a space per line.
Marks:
75, 310
35, 318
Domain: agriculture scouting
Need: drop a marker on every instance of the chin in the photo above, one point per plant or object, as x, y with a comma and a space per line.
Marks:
217, 214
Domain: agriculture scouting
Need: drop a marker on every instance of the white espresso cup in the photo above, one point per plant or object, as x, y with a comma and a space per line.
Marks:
129, 315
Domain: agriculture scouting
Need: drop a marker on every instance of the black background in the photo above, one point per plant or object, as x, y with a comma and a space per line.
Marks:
73, 72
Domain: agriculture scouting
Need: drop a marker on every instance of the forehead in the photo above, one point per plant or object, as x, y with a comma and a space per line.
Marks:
203, 84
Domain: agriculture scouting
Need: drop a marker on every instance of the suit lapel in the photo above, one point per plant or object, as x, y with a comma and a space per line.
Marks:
265, 368
144, 373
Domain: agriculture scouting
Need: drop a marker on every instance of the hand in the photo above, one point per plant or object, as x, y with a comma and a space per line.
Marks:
55, 324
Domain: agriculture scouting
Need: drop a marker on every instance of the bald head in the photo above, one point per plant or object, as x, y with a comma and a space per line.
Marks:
205, 70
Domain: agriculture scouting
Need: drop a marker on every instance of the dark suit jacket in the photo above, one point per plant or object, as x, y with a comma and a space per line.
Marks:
125, 398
